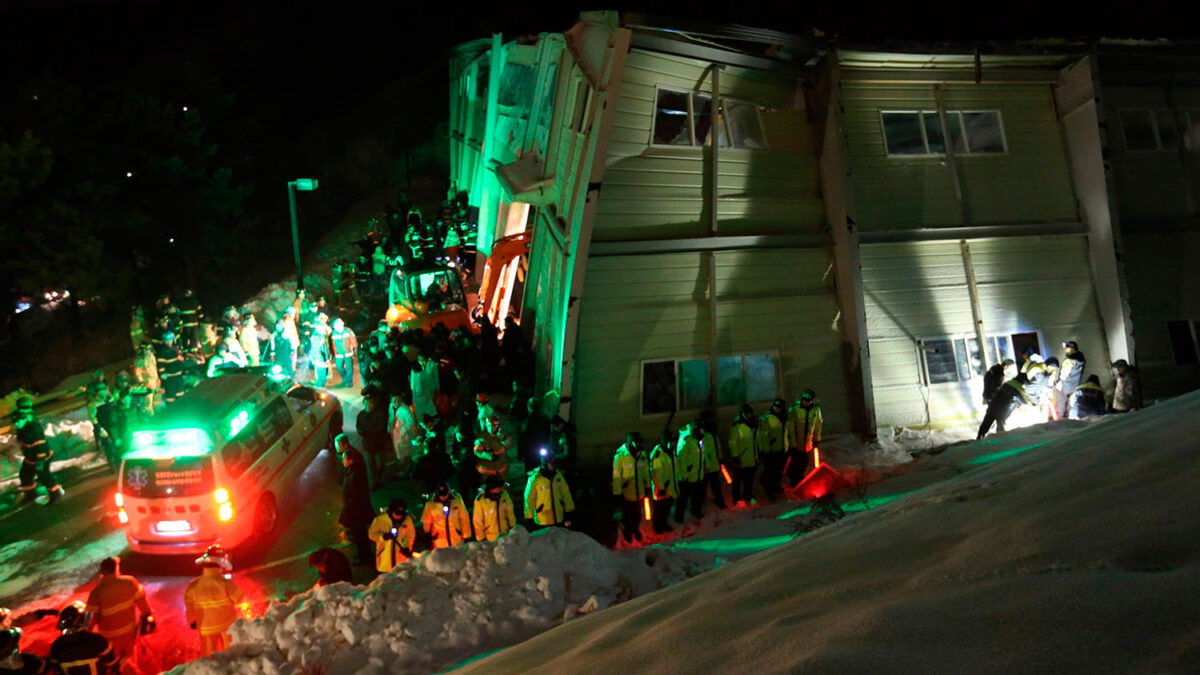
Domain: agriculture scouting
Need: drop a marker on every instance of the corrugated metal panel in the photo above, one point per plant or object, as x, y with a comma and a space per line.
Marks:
637, 308
918, 290
658, 192
1030, 183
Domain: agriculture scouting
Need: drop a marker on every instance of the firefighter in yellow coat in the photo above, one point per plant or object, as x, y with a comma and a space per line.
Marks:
115, 603
393, 532
212, 600
494, 514
547, 497
803, 435
445, 518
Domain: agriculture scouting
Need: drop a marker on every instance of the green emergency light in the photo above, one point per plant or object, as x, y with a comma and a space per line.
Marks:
187, 442
305, 184
238, 423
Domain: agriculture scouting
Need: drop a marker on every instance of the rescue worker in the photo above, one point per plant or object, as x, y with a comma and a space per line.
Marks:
631, 482
113, 418
663, 488
711, 456
345, 344
393, 532
221, 361
13, 661
402, 426
189, 321
280, 348
689, 471
493, 514
336, 281
445, 518
318, 357
1089, 399
768, 443
802, 434
742, 460
36, 452
1128, 394
169, 359
115, 604
1009, 397
248, 339
424, 382
1070, 376
996, 376
1048, 402
547, 496
211, 600
332, 566
145, 381
79, 651
137, 328
292, 333
491, 452
357, 512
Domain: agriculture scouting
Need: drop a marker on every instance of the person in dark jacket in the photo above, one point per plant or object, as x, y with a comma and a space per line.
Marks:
434, 466
996, 376
1089, 399
372, 427
280, 349
79, 651
13, 661
1009, 397
1128, 394
332, 566
357, 512
535, 436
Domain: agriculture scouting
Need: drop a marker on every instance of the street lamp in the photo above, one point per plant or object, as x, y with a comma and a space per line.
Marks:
303, 185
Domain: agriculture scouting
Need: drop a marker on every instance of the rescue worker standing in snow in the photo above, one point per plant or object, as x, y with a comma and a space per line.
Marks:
711, 458
115, 604
169, 359
211, 600
393, 532
631, 483
357, 513
547, 497
248, 338
1070, 377
996, 376
345, 343
79, 651
689, 471
1089, 399
768, 443
145, 381
802, 434
445, 518
493, 514
280, 347
35, 465
189, 321
1010, 396
741, 454
662, 477
137, 328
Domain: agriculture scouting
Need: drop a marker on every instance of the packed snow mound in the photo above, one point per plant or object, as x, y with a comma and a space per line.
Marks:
1075, 551
269, 304
431, 613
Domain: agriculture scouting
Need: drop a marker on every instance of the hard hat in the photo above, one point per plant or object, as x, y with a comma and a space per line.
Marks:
215, 556
398, 505
808, 395
10, 641
5, 615
493, 482
547, 456
442, 490
25, 404
73, 617
1037, 358
289, 310
1071, 343
168, 336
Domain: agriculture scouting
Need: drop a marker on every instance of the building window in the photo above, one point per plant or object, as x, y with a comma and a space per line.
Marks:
685, 118
683, 384
1184, 340
1191, 135
919, 133
958, 358
1149, 130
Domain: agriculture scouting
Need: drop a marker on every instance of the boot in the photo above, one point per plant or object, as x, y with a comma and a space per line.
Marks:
56, 494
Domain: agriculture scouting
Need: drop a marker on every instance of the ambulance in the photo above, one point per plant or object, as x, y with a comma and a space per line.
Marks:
215, 465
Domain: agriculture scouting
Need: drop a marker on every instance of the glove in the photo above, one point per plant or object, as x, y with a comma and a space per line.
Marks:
148, 625
192, 625
390, 534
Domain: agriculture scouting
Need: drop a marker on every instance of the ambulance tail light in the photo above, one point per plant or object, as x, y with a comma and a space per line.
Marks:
120, 499
122, 517
224, 506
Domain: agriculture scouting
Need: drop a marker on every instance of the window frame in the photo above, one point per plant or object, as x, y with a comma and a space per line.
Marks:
966, 152
954, 339
773, 353
1158, 144
689, 93
1193, 326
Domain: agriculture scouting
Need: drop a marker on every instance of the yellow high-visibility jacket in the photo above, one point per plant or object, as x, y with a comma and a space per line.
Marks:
662, 470
741, 445
449, 529
803, 427
631, 477
768, 437
493, 518
389, 552
688, 467
211, 601
548, 500
710, 451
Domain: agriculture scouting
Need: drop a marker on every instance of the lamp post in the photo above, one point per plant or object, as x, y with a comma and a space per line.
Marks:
303, 185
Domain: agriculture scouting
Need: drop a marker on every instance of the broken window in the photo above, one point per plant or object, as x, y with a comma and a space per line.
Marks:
658, 387
911, 133
744, 126
671, 123
741, 379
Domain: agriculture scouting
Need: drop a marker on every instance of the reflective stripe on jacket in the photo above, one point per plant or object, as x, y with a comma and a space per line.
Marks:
631, 477
388, 551
688, 468
548, 500
446, 529
662, 469
211, 601
804, 427
115, 602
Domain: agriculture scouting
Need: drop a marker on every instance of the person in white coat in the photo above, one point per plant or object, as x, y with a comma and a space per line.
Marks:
424, 381
403, 428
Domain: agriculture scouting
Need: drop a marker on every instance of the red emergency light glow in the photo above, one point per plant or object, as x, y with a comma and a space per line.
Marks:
646, 506
725, 472
224, 507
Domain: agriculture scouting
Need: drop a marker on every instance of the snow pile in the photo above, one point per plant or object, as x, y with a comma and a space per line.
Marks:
73, 443
1068, 548
433, 612
269, 304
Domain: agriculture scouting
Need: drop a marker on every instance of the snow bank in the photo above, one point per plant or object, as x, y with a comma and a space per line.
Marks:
432, 613
1068, 548
269, 304
73, 442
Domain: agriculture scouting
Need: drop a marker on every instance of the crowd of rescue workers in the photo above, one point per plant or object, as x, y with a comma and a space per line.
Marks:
442, 407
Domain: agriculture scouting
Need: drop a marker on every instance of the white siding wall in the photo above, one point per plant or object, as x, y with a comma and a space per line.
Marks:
655, 307
919, 290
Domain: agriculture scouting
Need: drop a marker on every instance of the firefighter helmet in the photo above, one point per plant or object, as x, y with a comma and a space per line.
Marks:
10, 641
73, 617
25, 404
215, 556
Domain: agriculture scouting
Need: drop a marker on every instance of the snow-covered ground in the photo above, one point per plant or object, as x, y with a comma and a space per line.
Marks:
1065, 547
71, 438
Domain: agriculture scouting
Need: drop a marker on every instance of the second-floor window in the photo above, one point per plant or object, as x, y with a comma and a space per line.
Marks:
918, 133
685, 118
1149, 130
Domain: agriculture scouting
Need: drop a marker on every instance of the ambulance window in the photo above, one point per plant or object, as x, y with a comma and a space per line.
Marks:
256, 438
